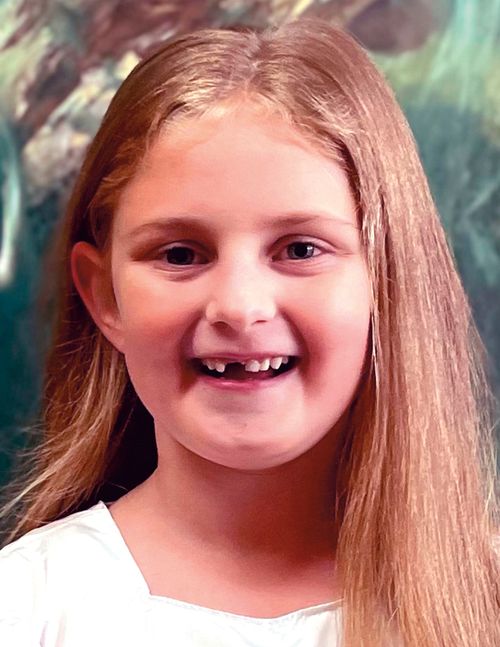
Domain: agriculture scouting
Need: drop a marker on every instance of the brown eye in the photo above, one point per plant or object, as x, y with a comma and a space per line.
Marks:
304, 250
179, 255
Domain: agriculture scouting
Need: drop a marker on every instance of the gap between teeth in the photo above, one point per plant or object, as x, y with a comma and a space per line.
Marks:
252, 365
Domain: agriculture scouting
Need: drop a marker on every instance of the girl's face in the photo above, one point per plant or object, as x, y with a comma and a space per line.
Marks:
207, 262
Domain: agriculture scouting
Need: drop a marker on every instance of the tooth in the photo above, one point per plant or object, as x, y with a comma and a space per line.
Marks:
253, 366
220, 367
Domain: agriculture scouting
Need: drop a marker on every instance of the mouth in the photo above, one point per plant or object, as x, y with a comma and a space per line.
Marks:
234, 371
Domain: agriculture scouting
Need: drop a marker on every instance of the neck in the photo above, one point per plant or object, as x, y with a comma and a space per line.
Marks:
284, 513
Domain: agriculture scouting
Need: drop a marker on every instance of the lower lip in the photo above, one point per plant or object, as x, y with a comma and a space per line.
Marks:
248, 384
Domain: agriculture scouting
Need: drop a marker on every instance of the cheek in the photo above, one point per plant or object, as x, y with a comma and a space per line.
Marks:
147, 310
336, 330
154, 321
152, 338
338, 311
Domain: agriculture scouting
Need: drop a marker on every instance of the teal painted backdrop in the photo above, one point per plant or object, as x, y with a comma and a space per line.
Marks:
61, 62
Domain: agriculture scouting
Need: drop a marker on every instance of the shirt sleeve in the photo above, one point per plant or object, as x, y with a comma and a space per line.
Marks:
22, 583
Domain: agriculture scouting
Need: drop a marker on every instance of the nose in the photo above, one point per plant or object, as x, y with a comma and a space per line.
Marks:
241, 296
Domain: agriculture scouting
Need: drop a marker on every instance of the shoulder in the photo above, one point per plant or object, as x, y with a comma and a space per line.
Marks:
71, 582
22, 582
46, 562
58, 539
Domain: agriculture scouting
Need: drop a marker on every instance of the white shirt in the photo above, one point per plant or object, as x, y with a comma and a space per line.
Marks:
74, 583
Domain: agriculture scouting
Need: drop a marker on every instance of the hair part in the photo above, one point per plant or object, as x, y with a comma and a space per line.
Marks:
417, 501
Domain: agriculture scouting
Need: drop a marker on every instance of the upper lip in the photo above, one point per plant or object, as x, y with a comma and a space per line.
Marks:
242, 356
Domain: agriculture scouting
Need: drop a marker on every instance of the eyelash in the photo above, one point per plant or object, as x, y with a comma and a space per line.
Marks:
165, 250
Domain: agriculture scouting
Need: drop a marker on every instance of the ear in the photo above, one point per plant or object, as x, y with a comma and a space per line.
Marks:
93, 281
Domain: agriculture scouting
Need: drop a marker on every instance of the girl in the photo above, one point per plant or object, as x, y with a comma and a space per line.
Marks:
266, 416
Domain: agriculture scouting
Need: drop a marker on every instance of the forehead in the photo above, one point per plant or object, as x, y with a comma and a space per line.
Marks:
238, 168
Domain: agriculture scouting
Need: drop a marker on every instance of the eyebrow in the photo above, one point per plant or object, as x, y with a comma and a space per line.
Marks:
188, 220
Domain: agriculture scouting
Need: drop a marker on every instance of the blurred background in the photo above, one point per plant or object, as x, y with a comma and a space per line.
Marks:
62, 60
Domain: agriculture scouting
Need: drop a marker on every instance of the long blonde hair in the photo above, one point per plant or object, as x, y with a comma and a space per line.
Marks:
417, 498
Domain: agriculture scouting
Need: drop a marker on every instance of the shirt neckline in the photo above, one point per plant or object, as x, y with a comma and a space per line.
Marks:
143, 585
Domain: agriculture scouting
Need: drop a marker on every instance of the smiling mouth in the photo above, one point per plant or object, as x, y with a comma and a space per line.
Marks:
235, 371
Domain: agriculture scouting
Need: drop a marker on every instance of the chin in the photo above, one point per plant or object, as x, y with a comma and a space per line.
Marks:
252, 457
